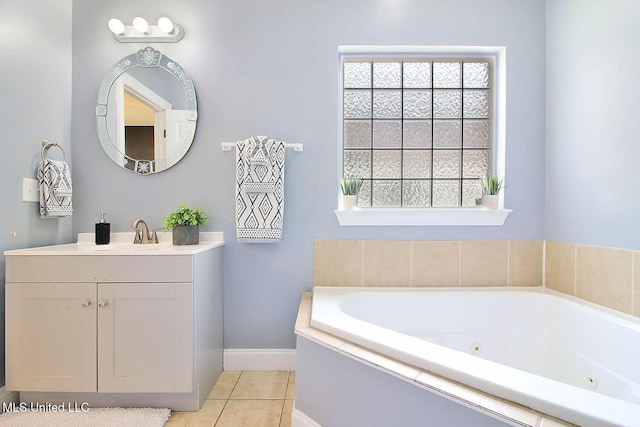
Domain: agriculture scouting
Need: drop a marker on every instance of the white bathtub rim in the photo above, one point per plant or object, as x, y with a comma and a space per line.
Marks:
620, 316
518, 385
566, 402
508, 412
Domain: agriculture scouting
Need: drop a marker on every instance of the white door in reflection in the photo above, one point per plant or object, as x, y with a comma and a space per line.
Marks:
147, 126
175, 123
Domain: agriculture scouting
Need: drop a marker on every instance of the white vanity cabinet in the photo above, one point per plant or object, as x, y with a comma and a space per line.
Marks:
51, 341
141, 328
140, 335
145, 337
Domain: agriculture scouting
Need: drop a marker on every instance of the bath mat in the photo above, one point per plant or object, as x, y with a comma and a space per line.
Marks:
73, 416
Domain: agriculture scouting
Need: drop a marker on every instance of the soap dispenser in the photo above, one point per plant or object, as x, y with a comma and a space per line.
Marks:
103, 231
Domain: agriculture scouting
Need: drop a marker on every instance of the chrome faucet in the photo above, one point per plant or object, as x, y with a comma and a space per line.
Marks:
142, 233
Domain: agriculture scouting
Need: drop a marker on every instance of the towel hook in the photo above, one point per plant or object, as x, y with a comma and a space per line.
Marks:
46, 144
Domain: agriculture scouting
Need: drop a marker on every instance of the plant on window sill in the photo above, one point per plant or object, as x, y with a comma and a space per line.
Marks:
350, 189
491, 187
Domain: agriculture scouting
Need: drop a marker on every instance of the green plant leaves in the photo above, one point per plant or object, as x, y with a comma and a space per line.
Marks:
491, 185
184, 216
350, 187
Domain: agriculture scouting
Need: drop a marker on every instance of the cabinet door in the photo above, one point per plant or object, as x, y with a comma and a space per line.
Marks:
51, 336
145, 337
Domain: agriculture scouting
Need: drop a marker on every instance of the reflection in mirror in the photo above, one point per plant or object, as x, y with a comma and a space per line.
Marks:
146, 112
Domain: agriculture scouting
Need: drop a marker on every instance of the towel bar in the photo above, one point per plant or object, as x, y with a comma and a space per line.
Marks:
46, 144
228, 146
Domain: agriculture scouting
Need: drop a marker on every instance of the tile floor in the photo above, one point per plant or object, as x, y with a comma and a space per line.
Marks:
244, 398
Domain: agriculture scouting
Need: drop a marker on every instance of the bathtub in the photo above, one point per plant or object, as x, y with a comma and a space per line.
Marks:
555, 354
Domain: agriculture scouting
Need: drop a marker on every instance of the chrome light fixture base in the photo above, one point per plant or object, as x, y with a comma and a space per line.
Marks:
153, 34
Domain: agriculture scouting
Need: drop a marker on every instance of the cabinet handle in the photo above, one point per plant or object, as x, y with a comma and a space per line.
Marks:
86, 303
102, 304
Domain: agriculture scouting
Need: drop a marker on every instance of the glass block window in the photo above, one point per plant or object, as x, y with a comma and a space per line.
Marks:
417, 130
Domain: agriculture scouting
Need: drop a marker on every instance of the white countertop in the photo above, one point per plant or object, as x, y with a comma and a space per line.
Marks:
122, 244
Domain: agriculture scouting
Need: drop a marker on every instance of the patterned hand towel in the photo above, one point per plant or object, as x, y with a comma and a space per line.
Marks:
259, 190
54, 178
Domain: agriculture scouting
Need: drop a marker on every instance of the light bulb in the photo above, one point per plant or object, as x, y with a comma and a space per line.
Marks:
140, 24
116, 26
165, 25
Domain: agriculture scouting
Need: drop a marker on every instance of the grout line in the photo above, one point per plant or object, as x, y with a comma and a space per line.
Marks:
575, 269
289, 382
544, 263
361, 263
253, 399
221, 412
234, 386
284, 400
633, 285
281, 412
226, 401
459, 263
508, 263
411, 263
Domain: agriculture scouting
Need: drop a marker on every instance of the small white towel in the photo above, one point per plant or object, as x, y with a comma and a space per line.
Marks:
54, 179
259, 190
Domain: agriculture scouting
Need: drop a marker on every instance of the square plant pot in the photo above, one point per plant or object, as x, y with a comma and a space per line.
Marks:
186, 235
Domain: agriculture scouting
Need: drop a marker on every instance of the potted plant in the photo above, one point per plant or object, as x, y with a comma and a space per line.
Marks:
350, 189
185, 223
491, 187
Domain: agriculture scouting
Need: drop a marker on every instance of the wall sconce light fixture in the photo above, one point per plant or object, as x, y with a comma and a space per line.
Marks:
140, 31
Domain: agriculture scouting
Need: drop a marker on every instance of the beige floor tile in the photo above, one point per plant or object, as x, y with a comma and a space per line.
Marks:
207, 416
251, 413
225, 384
285, 421
291, 386
261, 385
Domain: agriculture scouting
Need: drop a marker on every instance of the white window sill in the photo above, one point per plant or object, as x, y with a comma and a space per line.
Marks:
417, 216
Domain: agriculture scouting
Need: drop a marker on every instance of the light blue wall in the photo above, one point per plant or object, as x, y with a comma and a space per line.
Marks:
35, 100
592, 144
271, 68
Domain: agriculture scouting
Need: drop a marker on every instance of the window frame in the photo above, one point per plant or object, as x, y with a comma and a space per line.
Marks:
432, 215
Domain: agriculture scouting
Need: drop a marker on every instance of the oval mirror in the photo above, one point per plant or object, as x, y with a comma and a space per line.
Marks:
146, 112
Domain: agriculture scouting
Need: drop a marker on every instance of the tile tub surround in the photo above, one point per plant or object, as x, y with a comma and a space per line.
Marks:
606, 276
428, 263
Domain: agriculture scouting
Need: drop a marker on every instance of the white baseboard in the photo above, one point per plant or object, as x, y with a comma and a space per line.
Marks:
299, 419
249, 359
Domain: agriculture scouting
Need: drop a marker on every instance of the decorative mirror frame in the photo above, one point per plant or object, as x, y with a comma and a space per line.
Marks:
146, 58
